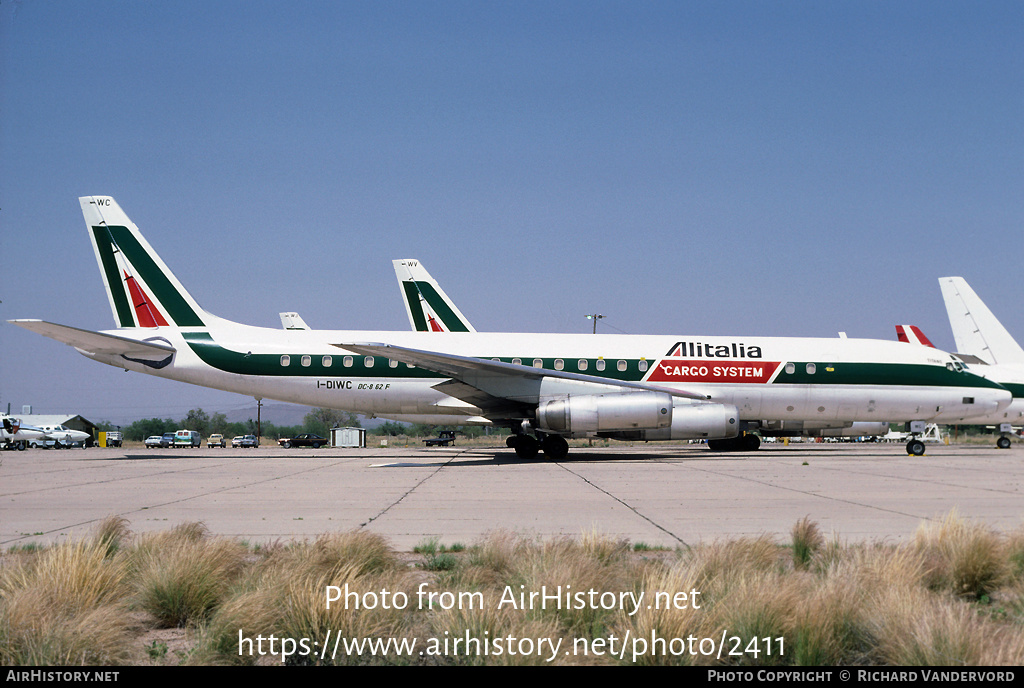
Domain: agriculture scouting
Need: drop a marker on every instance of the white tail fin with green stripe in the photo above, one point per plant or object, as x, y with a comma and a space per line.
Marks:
143, 292
428, 307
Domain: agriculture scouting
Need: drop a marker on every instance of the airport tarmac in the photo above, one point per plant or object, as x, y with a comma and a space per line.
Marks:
655, 494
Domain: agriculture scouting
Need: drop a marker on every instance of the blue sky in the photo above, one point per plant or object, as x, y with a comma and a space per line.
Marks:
745, 168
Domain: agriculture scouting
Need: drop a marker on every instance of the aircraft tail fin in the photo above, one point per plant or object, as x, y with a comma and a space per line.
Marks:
293, 321
975, 329
143, 292
428, 307
913, 335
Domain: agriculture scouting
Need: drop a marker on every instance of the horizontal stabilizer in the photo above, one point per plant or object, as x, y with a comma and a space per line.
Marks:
97, 343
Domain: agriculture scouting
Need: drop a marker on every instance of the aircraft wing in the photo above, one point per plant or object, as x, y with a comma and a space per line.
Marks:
97, 343
496, 387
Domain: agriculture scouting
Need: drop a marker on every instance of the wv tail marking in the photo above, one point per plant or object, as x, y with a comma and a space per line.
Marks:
428, 307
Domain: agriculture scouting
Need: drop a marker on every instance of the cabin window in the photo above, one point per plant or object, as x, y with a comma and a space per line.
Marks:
517, 361
559, 364
811, 368
642, 366
600, 364
368, 361
393, 363
621, 365
581, 364
306, 360
286, 361
790, 368
538, 363
327, 361
968, 400
347, 361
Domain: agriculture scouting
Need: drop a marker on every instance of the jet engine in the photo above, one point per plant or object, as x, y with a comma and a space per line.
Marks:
638, 415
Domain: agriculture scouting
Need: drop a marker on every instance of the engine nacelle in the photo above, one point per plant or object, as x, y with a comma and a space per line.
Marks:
797, 428
639, 415
697, 421
606, 412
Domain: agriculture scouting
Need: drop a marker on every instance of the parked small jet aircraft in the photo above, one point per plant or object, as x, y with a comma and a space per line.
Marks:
543, 387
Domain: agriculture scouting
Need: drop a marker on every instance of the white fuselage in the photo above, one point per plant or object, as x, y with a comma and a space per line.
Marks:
799, 379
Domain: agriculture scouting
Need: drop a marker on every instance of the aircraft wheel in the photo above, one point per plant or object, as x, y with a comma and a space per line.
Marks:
526, 447
555, 447
751, 442
510, 441
22, 446
1003, 442
57, 444
915, 448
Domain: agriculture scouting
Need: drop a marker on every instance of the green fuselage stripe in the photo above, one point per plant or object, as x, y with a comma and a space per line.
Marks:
888, 374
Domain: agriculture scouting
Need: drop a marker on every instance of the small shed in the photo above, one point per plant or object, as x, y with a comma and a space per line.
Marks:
348, 437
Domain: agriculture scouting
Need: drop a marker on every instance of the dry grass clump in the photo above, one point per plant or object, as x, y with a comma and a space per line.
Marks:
916, 628
564, 567
63, 607
333, 552
679, 620
182, 575
284, 595
962, 557
723, 561
113, 532
807, 540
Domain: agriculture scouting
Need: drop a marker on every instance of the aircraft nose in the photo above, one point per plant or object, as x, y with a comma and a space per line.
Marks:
999, 400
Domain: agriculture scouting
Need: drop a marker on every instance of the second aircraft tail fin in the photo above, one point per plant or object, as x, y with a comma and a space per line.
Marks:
428, 307
975, 329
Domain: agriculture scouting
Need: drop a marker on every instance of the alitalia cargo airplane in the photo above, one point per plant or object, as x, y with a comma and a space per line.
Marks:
543, 387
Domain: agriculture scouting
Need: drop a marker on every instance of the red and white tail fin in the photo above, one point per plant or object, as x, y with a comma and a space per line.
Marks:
912, 334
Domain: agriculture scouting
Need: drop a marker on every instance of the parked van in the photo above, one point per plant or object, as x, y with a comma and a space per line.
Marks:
187, 438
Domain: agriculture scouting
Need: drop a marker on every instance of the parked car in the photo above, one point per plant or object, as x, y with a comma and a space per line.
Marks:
247, 442
167, 440
307, 440
443, 439
114, 439
154, 442
216, 440
187, 438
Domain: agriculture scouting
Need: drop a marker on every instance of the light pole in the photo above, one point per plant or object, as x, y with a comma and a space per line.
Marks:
595, 317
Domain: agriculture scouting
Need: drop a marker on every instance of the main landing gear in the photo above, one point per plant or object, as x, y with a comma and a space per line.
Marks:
527, 446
